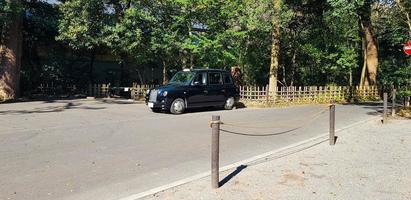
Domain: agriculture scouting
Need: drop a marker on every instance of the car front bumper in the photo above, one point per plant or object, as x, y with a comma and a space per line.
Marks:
160, 104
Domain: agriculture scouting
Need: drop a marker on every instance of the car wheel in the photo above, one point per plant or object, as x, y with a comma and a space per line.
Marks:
178, 106
229, 103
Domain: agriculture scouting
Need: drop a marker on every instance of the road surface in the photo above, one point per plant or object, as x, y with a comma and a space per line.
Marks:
107, 150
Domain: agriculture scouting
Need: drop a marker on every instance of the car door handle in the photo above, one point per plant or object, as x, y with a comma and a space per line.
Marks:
223, 90
205, 91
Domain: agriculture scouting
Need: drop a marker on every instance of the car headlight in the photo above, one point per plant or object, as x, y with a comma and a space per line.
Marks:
165, 93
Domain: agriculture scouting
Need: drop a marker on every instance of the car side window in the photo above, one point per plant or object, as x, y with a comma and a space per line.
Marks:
201, 78
228, 79
214, 78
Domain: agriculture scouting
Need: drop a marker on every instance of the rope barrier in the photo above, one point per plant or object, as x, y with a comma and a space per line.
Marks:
270, 134
314, 115
215, 124
278, 122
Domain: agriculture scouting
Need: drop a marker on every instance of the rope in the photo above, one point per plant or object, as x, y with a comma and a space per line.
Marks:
214, 122
273, 134
256, 127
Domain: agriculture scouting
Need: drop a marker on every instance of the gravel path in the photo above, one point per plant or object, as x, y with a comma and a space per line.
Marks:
369, 161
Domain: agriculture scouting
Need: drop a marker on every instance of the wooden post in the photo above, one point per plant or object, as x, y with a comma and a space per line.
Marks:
384, 117
332, 123
104, 90
394, 92
215, 146
90, 90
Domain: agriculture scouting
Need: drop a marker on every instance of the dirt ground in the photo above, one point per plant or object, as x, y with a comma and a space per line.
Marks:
369, 161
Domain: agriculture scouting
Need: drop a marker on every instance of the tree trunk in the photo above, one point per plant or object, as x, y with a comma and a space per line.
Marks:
370, 47
91, 68
372, 56
364, 66
165, 76
293, 67
284, 75
10, 60
122, 73
275, 45
407, 15
184, 59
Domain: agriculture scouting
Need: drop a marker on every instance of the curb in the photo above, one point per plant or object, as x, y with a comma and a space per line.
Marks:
309, 142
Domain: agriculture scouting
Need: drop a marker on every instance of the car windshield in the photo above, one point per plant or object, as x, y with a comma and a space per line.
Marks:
183, 78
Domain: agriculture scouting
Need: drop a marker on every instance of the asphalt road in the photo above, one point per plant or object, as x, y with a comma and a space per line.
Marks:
86, 149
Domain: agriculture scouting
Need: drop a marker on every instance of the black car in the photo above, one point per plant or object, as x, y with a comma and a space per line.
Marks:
194, 89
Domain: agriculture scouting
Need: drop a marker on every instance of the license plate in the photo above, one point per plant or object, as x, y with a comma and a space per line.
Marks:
150, 104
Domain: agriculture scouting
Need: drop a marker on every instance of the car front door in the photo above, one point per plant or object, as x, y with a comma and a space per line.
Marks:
216, 91
197, 92
230, 89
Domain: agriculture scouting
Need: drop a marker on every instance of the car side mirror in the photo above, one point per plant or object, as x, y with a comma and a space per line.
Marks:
197, 83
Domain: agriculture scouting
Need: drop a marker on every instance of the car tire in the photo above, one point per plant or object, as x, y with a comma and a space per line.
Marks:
177, 106
229, 103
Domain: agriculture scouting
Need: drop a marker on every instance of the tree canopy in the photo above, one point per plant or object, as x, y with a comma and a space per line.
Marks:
306, 42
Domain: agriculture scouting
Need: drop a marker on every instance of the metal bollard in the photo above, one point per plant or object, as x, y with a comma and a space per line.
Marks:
394, 92
215, 146
332, 123
384, 117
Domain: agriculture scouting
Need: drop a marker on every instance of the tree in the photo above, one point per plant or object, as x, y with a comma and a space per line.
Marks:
369, 70
81, 27
343, 41
391, 32
124, 29
319, 39
40, 29
405, 7
275, 45
10, 48
165, 35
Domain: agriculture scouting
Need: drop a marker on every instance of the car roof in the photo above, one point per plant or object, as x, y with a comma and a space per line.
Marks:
208, 70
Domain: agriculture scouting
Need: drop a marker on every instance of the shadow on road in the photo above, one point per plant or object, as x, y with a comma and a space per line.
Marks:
207, 109
44, 99
50, 109
232, 175
238, 105
375, 107
117, 101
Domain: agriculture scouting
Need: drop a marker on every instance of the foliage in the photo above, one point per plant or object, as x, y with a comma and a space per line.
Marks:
320, 39
8, 10
405, 112
122, 34
81, 23
404, 93
392, 32
40, 27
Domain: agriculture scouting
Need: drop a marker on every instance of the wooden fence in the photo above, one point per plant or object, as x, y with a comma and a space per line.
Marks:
55, 90
136, 91
260, 94
318, 94
98, 90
